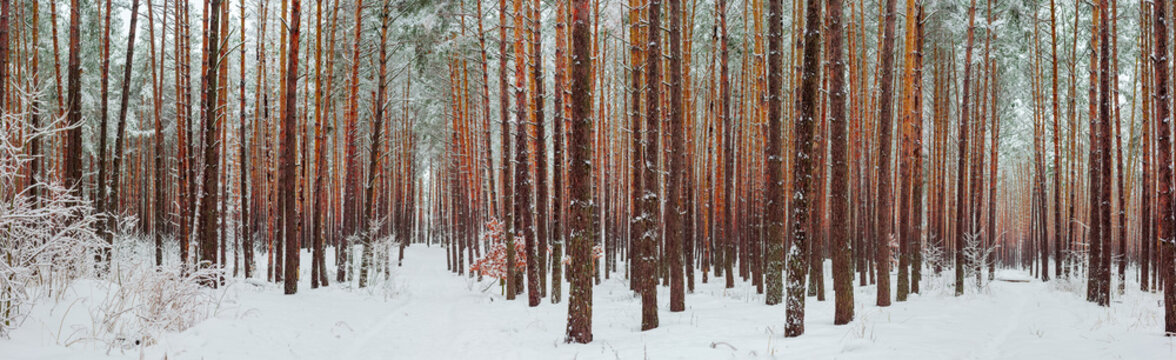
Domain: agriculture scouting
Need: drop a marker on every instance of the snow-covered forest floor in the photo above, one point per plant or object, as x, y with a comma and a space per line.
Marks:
426, 312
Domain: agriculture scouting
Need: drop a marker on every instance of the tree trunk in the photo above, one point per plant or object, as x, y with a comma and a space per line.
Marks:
540, 135
206, 226
504, 116
677, 162
1104, 114
558, 213
774, 233
579, 327
353, 208
802, 170
158, 215
651, 204
1167, 226
839, 222
963, 220
369, 232
102, 189
122, 112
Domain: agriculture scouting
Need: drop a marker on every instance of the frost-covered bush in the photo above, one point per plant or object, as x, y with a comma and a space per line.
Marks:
493, 263
976, 257
935, 258
45, 242
142, 304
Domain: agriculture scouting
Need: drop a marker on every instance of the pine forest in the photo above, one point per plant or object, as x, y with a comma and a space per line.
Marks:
600, 179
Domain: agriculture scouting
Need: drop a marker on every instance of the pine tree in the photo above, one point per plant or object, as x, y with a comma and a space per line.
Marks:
774, 252
102, 189
156, 93
539, 139
206, 225
839, 221
963, 223
651, 206
802, 171
675, 234
557, 148
288, 148
353, 208
1167, 216
579, 328
120, 136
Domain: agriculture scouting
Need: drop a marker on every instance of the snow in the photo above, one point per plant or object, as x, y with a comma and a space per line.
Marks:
425, 312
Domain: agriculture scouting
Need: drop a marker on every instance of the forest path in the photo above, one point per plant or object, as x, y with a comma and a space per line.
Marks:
443, 311
1012, 318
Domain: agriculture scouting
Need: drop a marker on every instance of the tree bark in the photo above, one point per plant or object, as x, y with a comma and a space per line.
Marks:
677, 161
963, 219
839, 221
353, 196
122, 112
1167, 216
802, 170
206, 226
579, 327
651, 204
774, 233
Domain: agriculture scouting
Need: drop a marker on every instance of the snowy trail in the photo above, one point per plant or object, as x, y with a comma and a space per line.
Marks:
428, 312
449, 317
994, 347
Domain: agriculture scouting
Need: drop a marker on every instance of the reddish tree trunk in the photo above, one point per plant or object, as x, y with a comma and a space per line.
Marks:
651, 204
839, 222
579, 327
677, 162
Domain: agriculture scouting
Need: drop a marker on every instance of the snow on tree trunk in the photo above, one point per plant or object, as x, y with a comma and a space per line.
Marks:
579, 327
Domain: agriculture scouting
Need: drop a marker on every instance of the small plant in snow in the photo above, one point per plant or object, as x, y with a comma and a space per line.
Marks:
143, 304
976, 255
493, 263
934, 257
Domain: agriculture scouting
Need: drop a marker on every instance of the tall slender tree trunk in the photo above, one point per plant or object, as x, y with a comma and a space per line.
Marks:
101, 189
774, 232
963, 220
677, 161
369, 184
206, 225
558, 213
5, 14
1104, 114
725, 227
906, 155
1146, 193
157, 93
839, 221
802, 170
505, 179
885, 128
288, 148
651, 203
540, 135
1167, 218
122, 111
353, 208
579, 328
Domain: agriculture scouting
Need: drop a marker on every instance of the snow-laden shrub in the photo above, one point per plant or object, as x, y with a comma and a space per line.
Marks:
144, 302
943, 281
493, 263
976, 258
935, 257
382, 281
46, 241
